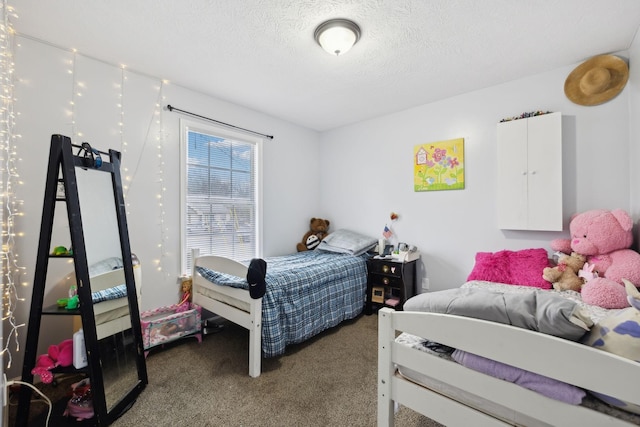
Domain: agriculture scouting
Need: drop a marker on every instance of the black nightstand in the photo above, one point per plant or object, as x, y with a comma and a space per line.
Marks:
389, 283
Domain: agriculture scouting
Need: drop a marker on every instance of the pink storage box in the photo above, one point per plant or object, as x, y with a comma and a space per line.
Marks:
166, 324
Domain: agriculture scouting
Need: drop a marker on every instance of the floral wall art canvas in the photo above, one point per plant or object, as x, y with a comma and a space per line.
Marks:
439, 165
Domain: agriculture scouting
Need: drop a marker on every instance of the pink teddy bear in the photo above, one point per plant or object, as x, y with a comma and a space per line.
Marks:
604, 237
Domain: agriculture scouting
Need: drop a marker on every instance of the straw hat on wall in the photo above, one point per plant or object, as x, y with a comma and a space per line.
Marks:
597, 80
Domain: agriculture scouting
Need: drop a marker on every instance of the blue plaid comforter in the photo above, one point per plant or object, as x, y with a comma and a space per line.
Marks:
116, 292
307, 292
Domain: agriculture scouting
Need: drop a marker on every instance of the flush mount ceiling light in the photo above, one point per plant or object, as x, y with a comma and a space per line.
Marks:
337, 36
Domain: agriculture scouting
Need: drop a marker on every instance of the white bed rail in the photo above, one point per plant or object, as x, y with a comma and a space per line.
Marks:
561, 359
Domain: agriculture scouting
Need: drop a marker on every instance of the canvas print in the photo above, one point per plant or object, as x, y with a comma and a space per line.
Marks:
439, 165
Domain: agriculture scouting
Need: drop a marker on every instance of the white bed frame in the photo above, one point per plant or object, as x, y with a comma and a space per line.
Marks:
234, 304
553, 357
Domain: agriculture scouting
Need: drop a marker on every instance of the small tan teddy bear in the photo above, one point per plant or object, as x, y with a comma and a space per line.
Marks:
564, 276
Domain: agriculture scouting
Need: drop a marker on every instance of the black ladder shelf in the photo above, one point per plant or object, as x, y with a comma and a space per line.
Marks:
62, 170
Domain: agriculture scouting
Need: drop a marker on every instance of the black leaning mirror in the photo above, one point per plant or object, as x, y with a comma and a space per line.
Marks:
118, 354
110, 263
102, 261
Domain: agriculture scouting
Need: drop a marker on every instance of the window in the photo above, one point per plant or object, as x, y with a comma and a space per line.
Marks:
220, 193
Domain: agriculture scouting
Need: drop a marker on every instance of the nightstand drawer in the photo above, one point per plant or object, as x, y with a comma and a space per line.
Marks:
382, 280
386, 267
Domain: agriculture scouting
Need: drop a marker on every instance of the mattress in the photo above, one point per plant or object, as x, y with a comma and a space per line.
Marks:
210, 292
110, 310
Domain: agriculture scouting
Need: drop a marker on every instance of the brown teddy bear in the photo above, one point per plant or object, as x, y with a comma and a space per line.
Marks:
564, 276
318, 231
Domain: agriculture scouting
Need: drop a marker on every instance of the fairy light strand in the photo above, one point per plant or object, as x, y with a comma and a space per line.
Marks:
123, 141
156, 122
9, 178
131, 177
73, 96
160, 139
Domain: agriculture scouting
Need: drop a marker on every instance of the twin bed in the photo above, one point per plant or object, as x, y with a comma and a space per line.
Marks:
306, 293
416, 368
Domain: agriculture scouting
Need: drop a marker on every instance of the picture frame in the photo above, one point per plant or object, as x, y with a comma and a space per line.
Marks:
439, 166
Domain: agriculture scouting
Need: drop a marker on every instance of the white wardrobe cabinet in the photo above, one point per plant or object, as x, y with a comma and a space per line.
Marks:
530, 173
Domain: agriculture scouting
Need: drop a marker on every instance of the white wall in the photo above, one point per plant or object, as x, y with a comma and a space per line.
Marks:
372, 171
633, 86
44, 90
366, 169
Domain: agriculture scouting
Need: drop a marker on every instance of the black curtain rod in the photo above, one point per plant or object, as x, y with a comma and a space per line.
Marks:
170, 108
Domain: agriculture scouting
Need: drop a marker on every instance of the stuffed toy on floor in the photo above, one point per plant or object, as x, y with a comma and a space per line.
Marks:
604, 237
318, 230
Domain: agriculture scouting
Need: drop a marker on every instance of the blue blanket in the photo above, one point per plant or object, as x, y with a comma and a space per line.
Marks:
116, 292
307, 292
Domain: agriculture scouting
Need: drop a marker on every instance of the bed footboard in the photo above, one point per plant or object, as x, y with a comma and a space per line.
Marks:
233, 304
393, 389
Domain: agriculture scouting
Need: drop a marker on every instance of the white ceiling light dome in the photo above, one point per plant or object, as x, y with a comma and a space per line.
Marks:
337, 36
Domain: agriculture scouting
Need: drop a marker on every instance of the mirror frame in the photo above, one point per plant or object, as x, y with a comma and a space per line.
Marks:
104, 415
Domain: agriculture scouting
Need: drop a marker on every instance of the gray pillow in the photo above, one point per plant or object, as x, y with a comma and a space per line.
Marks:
347, 242
537, 311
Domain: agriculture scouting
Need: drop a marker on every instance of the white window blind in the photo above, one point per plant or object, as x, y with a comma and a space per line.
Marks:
220, 202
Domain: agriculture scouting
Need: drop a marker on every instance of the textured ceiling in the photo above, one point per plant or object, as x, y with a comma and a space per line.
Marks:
261, 53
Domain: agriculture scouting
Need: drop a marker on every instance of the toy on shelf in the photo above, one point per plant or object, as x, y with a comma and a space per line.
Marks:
73, 302
57, 355
61, 251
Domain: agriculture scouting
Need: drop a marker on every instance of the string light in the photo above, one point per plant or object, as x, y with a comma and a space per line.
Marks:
123, 142
73, 96
161, 136
78, 88
11, 270
77, 91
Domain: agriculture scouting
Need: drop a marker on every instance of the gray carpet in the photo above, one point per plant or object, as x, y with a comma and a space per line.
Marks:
329, 380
